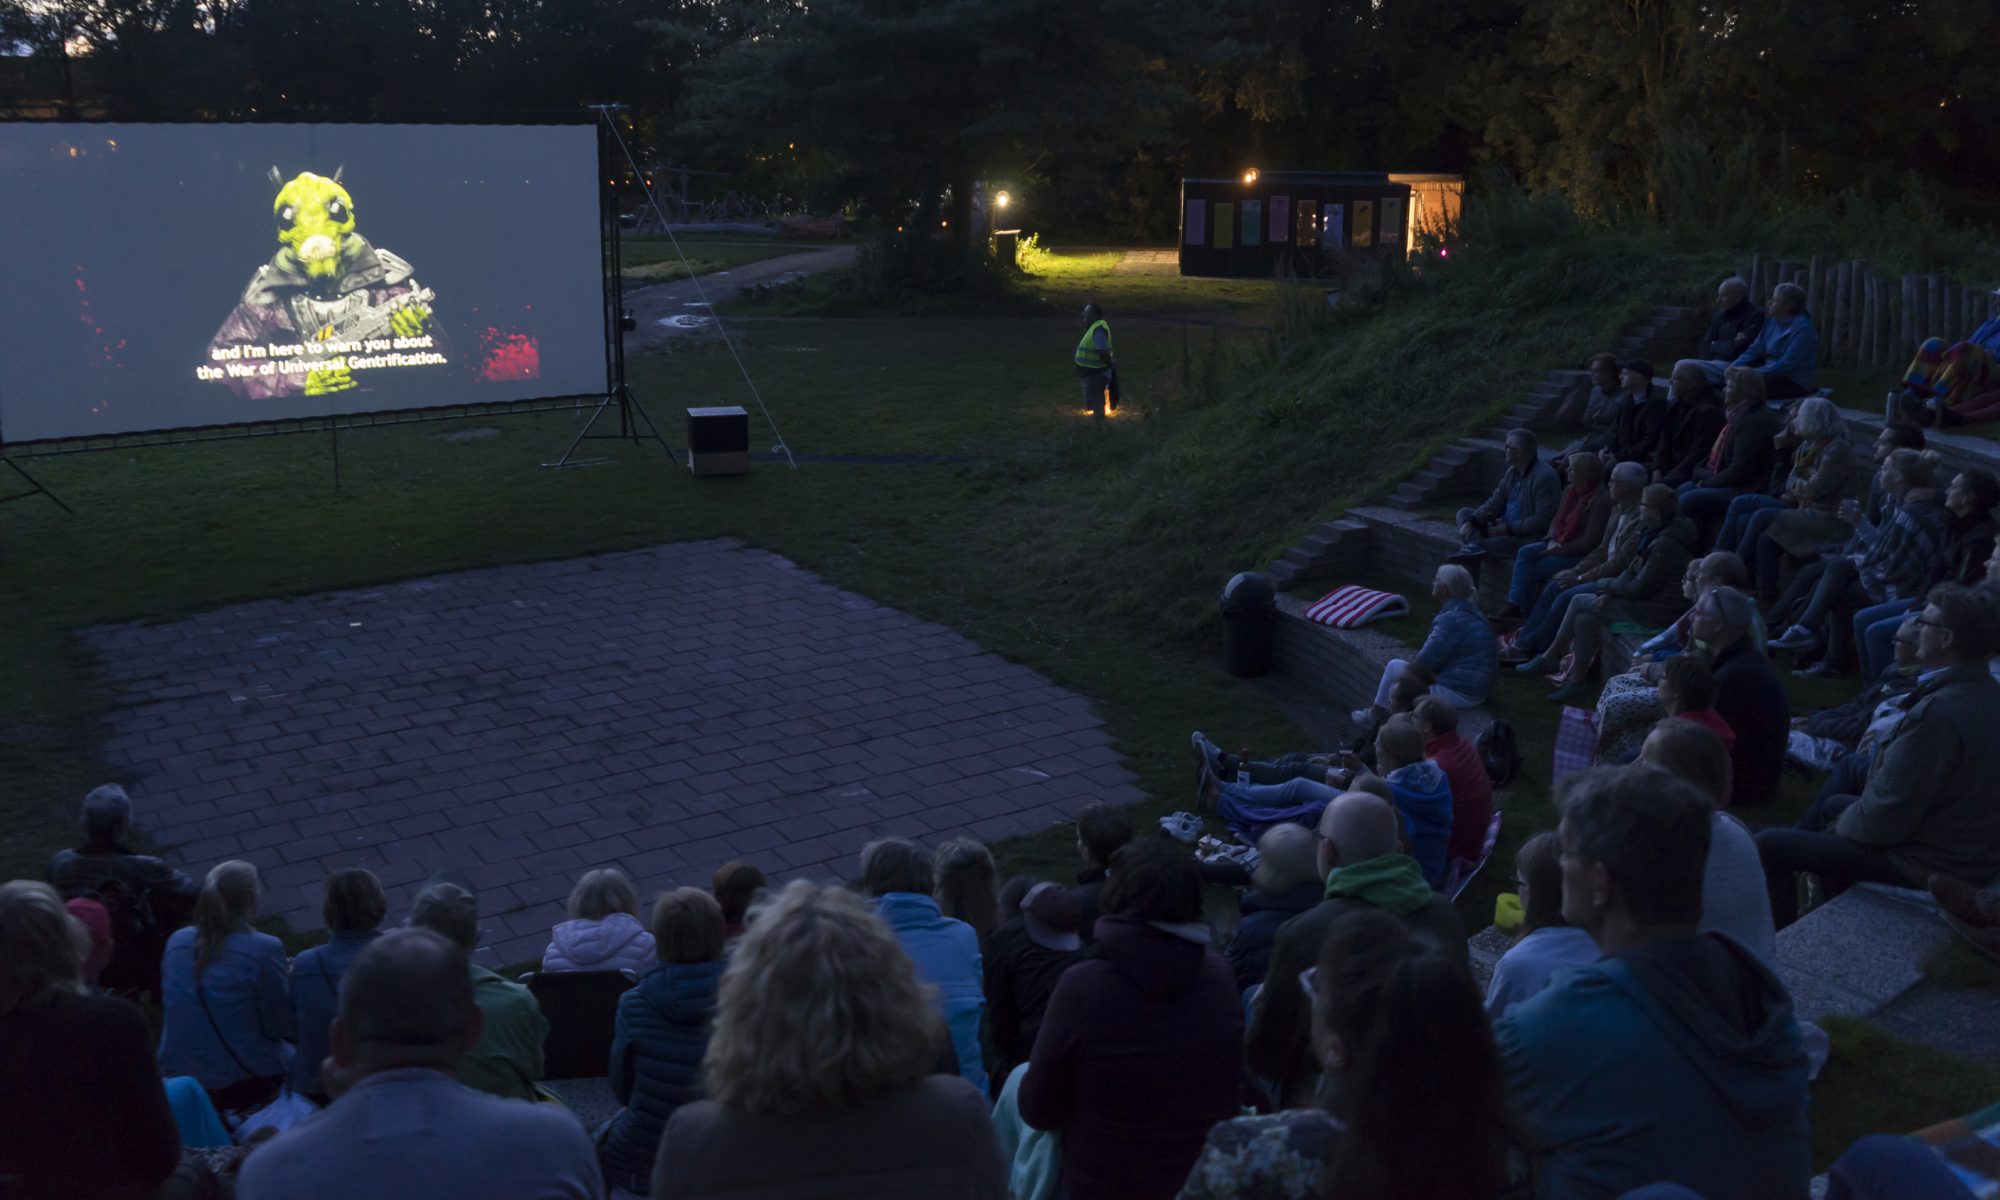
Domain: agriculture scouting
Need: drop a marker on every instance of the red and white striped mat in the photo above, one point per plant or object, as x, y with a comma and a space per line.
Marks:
1351, 606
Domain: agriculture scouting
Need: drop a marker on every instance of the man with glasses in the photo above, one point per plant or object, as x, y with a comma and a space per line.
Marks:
1929, 803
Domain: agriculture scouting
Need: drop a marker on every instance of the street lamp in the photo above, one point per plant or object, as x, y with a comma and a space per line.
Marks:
1249, 177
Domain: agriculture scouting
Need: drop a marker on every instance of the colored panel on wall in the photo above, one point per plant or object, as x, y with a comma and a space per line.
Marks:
1195, 226
1253, 222
1281, 218
1225, 226
1333, 230
1308, 231
1364, 223
1392, 220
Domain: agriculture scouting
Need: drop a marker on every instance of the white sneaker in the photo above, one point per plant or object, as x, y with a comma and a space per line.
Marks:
1364, 717
1182, 827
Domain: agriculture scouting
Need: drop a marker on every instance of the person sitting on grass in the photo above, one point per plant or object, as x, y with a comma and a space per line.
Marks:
1591, 407
353, 910
1676, 1058
1358, 838
146, 899
968, 884
1421, 792
1465, 773
1023, 959
1825, 596
1545, 943
819, 1072
1947, 385
1285, 883
1733, 897
1460, 650
1694, 420
1578, 527
1215, 767
1928, 804
1520, 508
1646, 593
899, 877
603, 932
1415, 1109
662, 1031
736, 886
226, 1012
1101, 831
1625, 484
506, 1058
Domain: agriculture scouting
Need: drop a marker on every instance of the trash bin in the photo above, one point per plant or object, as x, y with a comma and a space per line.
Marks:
1249, 621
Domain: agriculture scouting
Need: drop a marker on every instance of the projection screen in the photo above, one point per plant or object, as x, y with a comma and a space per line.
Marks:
167, 276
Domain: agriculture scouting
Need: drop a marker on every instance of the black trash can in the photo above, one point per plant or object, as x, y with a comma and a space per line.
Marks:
1249, 622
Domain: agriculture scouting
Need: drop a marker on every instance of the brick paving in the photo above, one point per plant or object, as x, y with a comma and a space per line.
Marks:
664, 710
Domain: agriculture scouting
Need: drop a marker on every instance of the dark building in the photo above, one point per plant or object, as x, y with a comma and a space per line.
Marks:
1266, 223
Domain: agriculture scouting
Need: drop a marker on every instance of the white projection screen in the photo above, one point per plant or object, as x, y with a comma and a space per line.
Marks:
169, 276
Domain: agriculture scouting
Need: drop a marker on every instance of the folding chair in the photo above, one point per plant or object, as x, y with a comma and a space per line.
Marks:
582, 1010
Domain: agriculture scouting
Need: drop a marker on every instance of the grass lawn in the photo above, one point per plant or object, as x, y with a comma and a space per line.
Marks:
654, 258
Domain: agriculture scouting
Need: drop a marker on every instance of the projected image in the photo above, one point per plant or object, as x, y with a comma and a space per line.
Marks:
162, 276
327, 307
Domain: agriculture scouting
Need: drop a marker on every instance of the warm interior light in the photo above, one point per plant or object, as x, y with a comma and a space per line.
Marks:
1002, 199
1250, 176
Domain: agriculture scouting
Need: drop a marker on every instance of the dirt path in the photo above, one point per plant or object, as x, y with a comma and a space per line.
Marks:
662, 302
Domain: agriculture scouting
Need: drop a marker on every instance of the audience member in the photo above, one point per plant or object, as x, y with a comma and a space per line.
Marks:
1460, 650
1545, 943
1633, 703
1464, 771
402, 1128
226, 1010
1675, 1058
1734, 325
1949, 386
1969, 541
1358, 836
898, 876
1285, 883
1804, 517
1140, 1050
1520, 508
1592, 407
96, 922
1415, 1107
1577, 529
1024, 958
506, 1059
968, 884
1627, 483
1749, 697
736, 886
1101, 830
147, 899
1898, 565
818, 1073
663, 1027
603, 932
1742, 458
1421, 792
1786, 350
1641, 416
86, 1113
1733, 897
1694, 420
1928, 804
353, 910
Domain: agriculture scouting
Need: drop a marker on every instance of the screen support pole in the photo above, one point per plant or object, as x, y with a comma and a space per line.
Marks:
35, 487
616, 320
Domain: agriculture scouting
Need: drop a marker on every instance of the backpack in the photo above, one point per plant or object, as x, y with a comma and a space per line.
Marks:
1500, 752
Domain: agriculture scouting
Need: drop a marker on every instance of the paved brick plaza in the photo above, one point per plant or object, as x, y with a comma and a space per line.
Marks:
665, 710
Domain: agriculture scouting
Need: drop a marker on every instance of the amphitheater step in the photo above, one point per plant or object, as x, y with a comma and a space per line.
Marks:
1342, 666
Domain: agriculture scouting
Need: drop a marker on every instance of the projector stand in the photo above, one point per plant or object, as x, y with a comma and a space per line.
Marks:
616, 319
35, 487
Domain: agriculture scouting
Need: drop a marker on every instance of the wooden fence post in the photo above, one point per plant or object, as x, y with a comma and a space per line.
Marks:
1934, 327
1843, 279
1864, 279
1908, 316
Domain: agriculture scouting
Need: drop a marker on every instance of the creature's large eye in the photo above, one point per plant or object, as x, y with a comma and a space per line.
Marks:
287, 217
336, 211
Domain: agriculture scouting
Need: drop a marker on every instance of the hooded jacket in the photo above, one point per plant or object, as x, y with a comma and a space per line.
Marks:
1678, 1061
1140, 1052
662, 1033
1648, 589
946, 953
614, 943
1021, 975
1423, 798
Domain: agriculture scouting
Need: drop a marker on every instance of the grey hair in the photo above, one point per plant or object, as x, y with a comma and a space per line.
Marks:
1526, 436
1792, 294
1734, 283
446, 908
107, 810
1287, 856
1736, 610
1629, 472
1457, 580
1818, 419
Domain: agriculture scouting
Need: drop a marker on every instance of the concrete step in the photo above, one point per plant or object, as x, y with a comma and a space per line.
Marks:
1412, 548
1343, 666
1957, 451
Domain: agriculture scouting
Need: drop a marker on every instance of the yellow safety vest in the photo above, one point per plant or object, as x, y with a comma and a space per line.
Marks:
1088, 356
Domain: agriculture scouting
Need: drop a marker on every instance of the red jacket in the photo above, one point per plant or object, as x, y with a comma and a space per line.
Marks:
1471, 792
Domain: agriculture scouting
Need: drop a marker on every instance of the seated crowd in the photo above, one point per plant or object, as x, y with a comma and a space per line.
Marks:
933, 1030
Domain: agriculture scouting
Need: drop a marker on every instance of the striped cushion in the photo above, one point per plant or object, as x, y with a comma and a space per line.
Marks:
1351, 606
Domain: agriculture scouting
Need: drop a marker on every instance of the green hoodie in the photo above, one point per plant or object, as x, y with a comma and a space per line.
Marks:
1392, 882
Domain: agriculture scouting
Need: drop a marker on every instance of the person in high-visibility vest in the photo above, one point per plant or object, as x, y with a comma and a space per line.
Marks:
1094, 364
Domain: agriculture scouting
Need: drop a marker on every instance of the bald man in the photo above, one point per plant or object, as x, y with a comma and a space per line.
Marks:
1360, 856
401, 1127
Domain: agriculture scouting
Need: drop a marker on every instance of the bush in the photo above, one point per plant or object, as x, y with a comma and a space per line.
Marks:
899, 268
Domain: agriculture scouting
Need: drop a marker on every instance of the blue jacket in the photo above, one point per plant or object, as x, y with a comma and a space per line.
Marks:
1788, 349
1423, 797
249, 997
946, 953
316, 997
1462, 651
663, 1028
1678, 1061
1250, 949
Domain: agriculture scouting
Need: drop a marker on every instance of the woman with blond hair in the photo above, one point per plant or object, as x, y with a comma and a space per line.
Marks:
86, 1113
226, 1008
819, 1071
603, 932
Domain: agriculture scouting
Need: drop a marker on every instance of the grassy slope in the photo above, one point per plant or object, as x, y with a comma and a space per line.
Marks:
656, 258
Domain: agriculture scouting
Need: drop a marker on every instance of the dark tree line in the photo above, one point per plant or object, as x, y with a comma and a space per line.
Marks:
1096, 107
